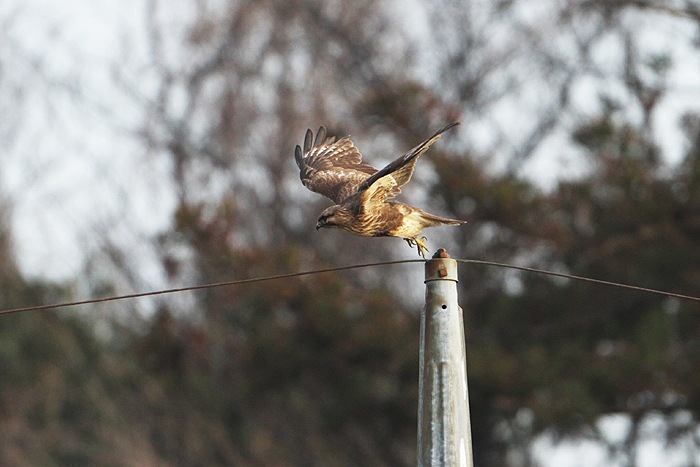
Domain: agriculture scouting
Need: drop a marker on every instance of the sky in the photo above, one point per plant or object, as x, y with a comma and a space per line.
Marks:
75, 165
74, 158
72, 163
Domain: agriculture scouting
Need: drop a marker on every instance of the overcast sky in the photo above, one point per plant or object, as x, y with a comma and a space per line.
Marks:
74, 159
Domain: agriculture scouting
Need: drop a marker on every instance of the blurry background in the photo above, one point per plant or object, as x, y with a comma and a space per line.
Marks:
149, 144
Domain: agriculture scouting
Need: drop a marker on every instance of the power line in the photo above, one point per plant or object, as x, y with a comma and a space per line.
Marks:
581, 278
205, 286
345, 268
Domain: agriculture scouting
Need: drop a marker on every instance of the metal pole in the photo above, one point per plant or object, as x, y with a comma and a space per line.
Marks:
444, 429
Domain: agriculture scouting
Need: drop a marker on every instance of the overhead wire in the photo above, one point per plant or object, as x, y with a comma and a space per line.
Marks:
342, 268
581, 278
205, 286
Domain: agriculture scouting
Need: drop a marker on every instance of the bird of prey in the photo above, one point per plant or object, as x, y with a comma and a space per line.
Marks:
362, 194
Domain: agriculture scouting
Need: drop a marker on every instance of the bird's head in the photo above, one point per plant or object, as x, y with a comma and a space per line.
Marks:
331, 217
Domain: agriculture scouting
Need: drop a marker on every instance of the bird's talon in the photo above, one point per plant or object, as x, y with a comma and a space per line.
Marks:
420, 245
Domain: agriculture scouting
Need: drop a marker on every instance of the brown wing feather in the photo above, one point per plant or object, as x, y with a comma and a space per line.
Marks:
387, 182
331, 168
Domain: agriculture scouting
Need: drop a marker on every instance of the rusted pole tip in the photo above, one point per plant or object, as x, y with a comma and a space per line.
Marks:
441, 253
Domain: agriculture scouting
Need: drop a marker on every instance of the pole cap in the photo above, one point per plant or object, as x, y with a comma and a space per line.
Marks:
441, 253
441, 267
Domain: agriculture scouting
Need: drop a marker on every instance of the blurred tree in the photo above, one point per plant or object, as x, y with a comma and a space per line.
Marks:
48, 386
323, 370
255, 75
568, 351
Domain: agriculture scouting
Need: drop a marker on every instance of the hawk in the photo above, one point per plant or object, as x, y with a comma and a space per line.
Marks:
362, 194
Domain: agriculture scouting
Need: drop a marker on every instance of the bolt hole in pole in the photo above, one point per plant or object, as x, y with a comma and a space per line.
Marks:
444, 428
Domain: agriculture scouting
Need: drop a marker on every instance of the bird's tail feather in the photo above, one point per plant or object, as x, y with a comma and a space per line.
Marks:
432, 220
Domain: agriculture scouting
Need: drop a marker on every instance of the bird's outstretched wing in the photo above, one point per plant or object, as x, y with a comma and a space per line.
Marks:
387, 182
331, 168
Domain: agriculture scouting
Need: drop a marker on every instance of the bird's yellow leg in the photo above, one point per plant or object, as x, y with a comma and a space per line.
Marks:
419, 243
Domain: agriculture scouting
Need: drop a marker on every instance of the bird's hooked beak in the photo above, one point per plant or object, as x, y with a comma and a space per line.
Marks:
322, 222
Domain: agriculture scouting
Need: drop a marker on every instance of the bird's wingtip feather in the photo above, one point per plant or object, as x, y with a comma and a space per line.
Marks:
298, 156
308, 139
320, 135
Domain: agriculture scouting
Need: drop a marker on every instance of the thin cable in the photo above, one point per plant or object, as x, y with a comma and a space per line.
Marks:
343, 268
205, 286
580, 278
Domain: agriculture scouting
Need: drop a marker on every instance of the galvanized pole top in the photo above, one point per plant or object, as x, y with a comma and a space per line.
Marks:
444, 427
